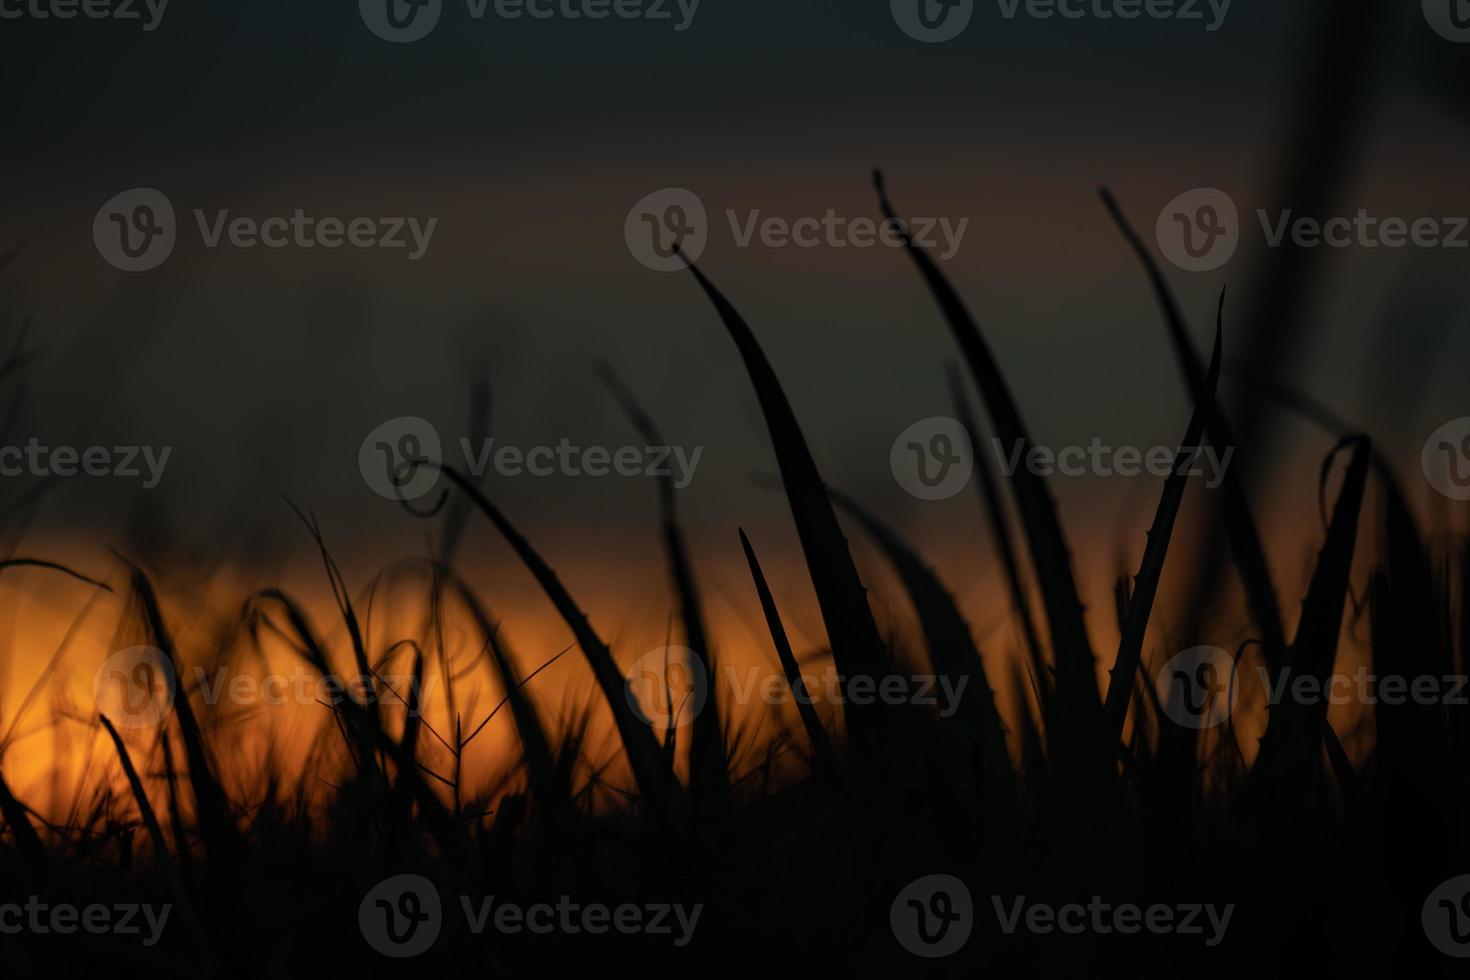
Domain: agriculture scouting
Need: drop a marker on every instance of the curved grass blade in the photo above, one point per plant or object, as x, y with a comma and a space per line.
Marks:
1292, 745
546, 788
211, 803
953, 653
825, 758
1077, 724
1240, 526
857, 647
1000, 532
155, 835
709, 763
1151, 569
664, 794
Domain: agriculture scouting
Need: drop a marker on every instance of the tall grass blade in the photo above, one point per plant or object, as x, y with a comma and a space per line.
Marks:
825, 759
953, 653
1292, 745
857, 647
155, 835
709, 763
663, 794
1076, 725
1000, 531
1151, 569
1240, 526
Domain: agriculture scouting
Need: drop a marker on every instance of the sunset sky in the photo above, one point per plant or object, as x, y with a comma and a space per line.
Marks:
529, 142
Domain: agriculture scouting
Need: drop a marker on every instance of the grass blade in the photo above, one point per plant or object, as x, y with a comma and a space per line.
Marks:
1077, 724
857, 647
709, 763
825, 758
1151, 569
664, 795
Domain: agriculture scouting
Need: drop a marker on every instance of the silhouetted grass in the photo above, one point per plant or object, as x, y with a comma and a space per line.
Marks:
1049, 794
